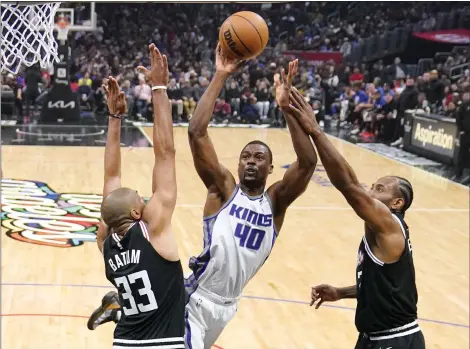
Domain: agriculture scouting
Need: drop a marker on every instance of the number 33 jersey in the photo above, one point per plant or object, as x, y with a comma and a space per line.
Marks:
237, 242
151, 291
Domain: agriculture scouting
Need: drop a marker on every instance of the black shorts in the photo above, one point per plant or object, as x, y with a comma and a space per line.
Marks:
409, 338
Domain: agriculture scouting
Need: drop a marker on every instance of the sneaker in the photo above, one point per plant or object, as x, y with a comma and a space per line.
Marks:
398, 142
355, 131
106, 312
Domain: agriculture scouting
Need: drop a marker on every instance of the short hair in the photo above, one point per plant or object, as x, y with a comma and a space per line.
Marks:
406, 190
263, 144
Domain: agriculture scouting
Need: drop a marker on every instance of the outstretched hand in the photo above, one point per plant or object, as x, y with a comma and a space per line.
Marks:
225, 64
158, 73
324, 293
283, 85
303, 112
117, 104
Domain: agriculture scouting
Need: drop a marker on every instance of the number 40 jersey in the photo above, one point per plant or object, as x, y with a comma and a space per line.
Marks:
151, 291
237, 242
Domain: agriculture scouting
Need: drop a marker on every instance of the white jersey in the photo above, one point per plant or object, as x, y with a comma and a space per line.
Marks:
237, 241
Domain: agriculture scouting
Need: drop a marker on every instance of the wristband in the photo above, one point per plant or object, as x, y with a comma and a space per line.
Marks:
115, 116
158, 88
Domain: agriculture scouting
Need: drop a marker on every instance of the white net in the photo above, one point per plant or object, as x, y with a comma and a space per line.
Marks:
27, 35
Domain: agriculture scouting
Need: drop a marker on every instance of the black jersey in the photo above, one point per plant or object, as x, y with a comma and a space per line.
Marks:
386, 293
151, 291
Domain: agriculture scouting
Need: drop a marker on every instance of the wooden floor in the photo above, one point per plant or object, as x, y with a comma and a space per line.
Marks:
48, 292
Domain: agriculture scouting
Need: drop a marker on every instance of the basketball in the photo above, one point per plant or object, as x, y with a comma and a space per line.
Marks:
244, 35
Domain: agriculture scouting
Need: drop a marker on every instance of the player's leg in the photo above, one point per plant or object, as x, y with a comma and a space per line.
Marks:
194, 325
220, 317
417, 341
109, 310
211, 336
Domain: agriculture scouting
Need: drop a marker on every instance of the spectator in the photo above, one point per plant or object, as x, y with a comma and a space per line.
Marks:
222, 111
386, 117
435, 92
130, 97
16, 92
32, 91
398, 70
85, 80
377, 103
262, 97
246, 93
74, 84
233, 95
423, 104
250, 112
143, 97
408, 100
86, 96
356, 76
360, 103
176, 98
450, 110
189, 100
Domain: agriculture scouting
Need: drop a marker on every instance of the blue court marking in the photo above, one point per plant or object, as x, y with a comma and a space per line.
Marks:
447, 323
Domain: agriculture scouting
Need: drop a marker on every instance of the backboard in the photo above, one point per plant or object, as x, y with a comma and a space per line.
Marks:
80, 15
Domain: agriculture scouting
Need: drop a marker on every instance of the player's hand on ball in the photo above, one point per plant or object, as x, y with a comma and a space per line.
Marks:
303, 112
283, 84
117, 104
158, 73
224, 63
324, 293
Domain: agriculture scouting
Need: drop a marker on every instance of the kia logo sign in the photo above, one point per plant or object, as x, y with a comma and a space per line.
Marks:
61, 105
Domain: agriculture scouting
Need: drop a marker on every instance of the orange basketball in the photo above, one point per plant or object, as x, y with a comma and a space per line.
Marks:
244, 35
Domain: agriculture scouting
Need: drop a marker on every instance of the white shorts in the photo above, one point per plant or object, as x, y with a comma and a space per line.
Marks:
206, 316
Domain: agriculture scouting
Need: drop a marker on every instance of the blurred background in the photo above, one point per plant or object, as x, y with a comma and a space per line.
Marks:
390, 76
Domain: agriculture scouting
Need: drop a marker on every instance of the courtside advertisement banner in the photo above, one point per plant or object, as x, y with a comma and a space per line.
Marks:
454, 36
434, 136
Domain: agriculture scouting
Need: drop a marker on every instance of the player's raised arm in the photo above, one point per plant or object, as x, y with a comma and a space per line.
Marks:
213, 174
298, 175
160, 208
376, 214
117, 107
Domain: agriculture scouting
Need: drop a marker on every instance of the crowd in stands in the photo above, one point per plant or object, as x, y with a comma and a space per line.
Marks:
368, 99
373, 102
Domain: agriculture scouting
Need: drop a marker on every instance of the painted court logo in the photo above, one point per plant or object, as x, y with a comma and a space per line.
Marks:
33, 212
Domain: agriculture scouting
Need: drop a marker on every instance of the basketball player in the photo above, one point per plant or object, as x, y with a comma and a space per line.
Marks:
385, 287
241, 221
140, 253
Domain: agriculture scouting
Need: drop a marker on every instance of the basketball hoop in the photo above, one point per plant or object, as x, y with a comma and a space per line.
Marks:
62, 26
27, 35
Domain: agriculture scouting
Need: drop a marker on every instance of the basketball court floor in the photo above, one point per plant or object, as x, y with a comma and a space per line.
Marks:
53, 274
